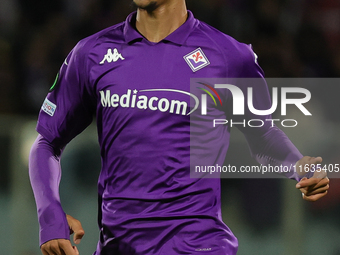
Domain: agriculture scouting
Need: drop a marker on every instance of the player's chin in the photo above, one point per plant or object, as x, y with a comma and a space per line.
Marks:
145, 4
316, 197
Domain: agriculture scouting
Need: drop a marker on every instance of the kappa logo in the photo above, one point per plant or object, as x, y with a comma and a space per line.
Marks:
112, 56
197, 60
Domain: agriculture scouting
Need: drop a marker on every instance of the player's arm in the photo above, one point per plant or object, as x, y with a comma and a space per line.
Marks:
270, 145
68, 109
55, 226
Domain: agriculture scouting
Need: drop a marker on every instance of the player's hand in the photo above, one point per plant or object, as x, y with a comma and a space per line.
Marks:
63, 246
315, 187
75, 228
59, 247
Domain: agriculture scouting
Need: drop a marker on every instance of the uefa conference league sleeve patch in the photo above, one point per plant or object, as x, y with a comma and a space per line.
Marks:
49, 107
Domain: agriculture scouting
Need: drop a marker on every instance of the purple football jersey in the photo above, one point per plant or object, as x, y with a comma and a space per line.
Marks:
139, 92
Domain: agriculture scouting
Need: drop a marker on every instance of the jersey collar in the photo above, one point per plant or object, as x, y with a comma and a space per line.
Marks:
179, 36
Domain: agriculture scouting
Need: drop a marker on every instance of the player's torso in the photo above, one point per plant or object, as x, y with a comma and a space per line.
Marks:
144, 106
144, 102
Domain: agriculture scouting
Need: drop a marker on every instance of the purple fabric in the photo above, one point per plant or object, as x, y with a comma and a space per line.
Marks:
149, 203
45, 173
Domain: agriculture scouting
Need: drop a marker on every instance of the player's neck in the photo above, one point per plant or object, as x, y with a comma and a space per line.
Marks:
158, 24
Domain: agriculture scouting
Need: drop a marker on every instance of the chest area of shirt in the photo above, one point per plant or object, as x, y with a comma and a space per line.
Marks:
153, 65
152, 78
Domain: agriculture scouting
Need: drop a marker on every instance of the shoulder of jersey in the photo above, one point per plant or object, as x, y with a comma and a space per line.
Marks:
225, 42
239, 55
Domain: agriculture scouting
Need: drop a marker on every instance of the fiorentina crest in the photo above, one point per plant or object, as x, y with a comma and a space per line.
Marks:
196, 60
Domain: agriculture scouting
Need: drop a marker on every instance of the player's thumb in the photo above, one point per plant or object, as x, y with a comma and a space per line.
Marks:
316, 160
78, 234
76, 228
302, 183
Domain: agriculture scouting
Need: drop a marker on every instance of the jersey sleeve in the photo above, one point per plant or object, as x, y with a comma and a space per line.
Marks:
67, 110
45, 174
268, 144
69, 106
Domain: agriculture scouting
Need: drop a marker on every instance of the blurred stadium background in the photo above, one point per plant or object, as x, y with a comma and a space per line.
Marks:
293, 38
